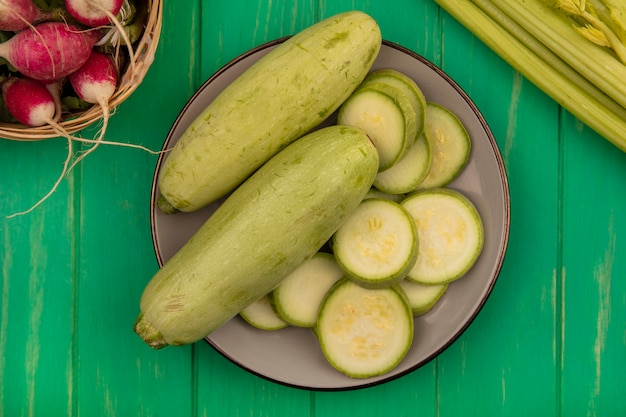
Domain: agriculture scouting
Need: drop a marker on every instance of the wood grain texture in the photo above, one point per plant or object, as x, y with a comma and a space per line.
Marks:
550, 341
116, 256
507, 356
593, 313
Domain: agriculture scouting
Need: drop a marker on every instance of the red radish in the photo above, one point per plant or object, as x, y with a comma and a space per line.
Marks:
16, 15
29, 101
95, 82
48, 51
93, 13
97, 13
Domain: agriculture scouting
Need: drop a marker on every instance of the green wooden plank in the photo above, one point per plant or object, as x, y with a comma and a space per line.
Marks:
505, 362
36, 317
118, 374
115, 264
116, 261
225, 389
30, 170
171, 80
230, 29
36, 259
593, 313
420, 16
414, 394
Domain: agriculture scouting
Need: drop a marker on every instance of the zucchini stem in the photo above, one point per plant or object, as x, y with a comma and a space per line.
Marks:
165, 206
149, 333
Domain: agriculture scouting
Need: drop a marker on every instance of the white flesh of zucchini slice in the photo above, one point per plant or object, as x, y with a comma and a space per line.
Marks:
450, 232
408, 173
386, 115
377, 245
450, 146
422, 298
364, 332
299, 296
262, 315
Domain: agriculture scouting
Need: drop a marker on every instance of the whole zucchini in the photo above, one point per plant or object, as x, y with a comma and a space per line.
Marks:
282, 215
285, 94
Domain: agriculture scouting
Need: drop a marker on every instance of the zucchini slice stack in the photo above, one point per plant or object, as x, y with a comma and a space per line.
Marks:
410, 238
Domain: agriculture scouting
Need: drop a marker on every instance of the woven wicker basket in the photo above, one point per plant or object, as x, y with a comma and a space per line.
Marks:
145, 50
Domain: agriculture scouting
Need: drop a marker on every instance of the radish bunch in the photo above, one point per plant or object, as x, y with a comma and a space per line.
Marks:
48, 40
59, 57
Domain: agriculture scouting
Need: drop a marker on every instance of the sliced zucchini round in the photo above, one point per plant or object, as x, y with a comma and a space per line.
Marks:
376, 193
422, 298
262, 315
377, 245
386, 115
364, 332
405, 83
409, 172
299, 296
450, 146
450, 232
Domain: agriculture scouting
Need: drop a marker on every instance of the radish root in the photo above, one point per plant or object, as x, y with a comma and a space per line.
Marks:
57, 182
68, 164
99, 140
55, 89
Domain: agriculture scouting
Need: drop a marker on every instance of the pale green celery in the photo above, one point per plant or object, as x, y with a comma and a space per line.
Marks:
598, 64
596, 27
549, 57
601, 114
594, 35
613, 13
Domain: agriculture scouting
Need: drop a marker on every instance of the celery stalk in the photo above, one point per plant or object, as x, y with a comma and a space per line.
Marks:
613, 14
547, 55
588, 104
596, 22
599, 65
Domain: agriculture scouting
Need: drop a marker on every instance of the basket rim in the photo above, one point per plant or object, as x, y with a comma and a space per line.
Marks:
145, 50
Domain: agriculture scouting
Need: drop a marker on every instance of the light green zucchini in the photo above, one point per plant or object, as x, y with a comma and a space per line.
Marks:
408, 85
450, 146
262, 314
298, 297
422, 298
409, 172
377, 244
376, 193
364, 332
281, 216
450, 232
386, 114
285, 94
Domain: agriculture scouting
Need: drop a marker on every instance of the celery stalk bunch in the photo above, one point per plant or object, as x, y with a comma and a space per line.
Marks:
573, 50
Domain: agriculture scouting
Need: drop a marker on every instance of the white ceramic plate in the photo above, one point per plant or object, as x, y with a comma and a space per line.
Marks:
292, 356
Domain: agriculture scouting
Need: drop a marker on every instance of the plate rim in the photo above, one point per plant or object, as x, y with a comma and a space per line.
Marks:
504, 236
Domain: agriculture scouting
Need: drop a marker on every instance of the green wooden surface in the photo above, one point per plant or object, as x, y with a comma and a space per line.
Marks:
550, 341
